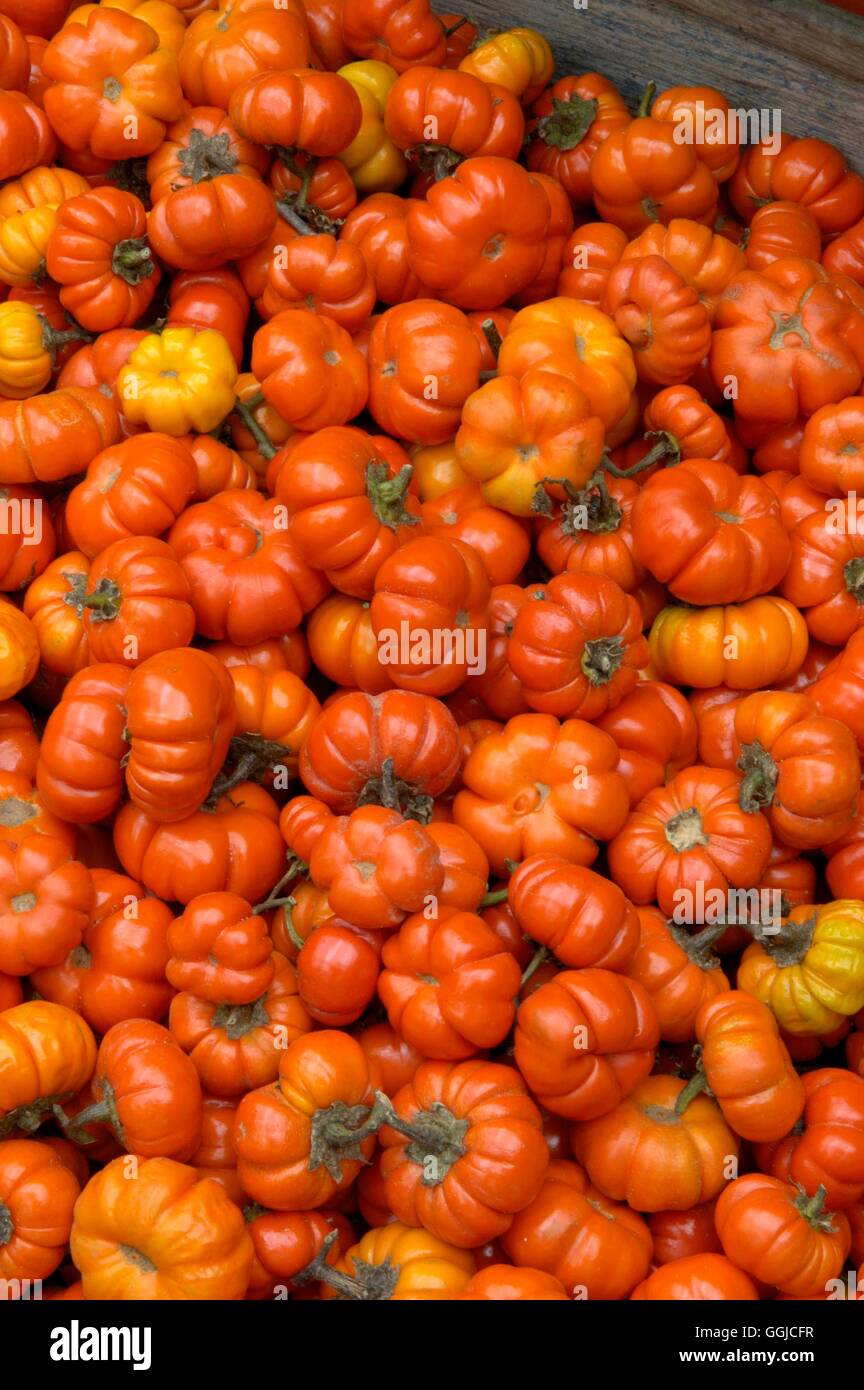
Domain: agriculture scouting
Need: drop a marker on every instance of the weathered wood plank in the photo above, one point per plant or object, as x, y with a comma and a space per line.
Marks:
801, 56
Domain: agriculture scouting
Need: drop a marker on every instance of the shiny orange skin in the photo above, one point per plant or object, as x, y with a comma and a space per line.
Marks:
844, 254
468, 115
837, 690
32, 431
580, 916
823, 571
827, 1148
643, 1153
28, 546
694, 647
99, 364
151, 1090
285, 1242
471, 1005
273, 1125
202, 225
691, 830
288, 653
135, 488
832, 449
793, 875
503, 1153
488, 199
497, 687
517, 432
697, 1278
428, 587
236, 1048
37, 1194
226, 46
662, 318
317, 112
403, 34
597, 1248
330, 188
765, 1232
337, 971
796, 374
118, 971
578, 341
54, 604
105, 72
19, 747
233, 547
45, 901
419, 1266
350, 741
721, 155
371, 1196
594, 533
322, 276
401, 866
655, 731
215, 1158
23, 812
347, 514
678, 979
292, 925
781, 229
685, 535
27, 137
309, 369
19, 648
377, 227
811, 762
191, 1237
593, 109
236, 848
809, 172
508, 1284
219, 950
681, 1234
464, 515
590, 254
798, 500
178, 163
393, 1060
643, 166
542, 786
276, 708
14, 56
748, 1068
343, 645
584, 1040
147, 607
408, 344
212, 299
47, 1050
845, 869
85, 255
578, 646
689, 426
704, 259
179, 720
210, 204
80, 773
466, 868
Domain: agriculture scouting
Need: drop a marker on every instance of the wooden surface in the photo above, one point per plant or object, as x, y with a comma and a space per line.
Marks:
803, 56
